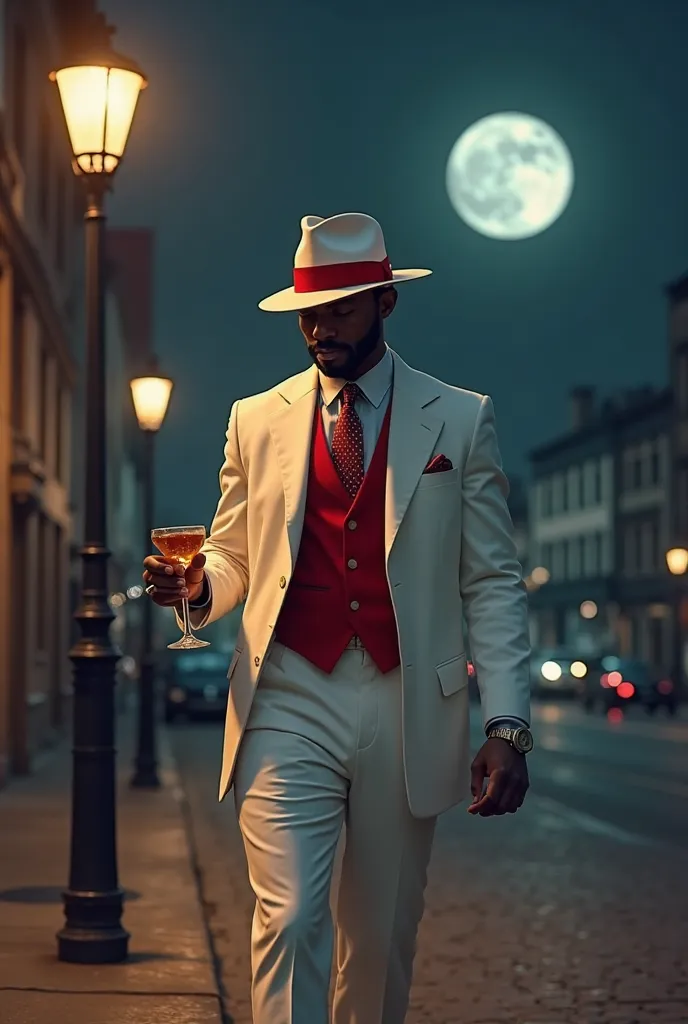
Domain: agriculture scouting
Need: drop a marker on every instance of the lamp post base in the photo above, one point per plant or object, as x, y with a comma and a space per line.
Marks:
88, 938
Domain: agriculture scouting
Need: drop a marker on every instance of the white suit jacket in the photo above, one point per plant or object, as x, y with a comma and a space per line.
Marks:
449, 549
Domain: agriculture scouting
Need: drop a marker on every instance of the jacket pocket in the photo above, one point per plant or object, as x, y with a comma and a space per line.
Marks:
453, 675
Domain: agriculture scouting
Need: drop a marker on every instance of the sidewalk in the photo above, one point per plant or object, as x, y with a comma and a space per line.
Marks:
169, 976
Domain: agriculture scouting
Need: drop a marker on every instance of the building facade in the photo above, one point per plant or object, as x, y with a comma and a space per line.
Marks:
600, 525
39, 233
41, 387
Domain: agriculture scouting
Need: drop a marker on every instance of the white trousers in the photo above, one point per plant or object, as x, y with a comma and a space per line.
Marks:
321, 752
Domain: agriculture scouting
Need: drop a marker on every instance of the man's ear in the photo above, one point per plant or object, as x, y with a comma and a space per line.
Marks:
388, 301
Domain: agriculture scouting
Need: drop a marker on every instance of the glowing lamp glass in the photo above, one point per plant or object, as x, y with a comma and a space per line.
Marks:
151, 396
677, 561
99, 105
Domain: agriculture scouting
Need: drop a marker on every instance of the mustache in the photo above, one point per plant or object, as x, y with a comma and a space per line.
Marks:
328, 348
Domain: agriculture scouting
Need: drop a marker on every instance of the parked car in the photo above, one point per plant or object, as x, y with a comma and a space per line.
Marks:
196, 685
556, 673
618, 682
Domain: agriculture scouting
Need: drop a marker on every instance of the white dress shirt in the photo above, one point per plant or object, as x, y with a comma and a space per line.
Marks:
371, 405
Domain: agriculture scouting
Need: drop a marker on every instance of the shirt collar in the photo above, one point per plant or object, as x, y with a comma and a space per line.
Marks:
374, 384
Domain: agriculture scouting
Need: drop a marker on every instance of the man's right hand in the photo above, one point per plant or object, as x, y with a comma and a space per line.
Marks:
169, 581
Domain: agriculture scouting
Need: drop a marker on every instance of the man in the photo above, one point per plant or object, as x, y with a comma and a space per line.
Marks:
362, 515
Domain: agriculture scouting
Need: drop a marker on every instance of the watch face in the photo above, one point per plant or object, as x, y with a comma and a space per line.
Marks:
523, 741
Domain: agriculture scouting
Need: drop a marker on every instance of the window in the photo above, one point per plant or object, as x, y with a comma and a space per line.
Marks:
565, 560
581, 487
597, 483
637, 472
546, 497
18, 350
581, 556
682, 380
60, 211
19, 90
44, 168
547, 556
655, 465
599, 555
565, 493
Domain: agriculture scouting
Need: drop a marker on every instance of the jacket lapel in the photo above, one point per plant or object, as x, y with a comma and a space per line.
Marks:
291, 426
413, 433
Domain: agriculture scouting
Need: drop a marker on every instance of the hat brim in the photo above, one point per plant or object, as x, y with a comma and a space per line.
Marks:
288, 300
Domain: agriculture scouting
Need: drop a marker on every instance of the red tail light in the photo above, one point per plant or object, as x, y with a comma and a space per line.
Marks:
625, 690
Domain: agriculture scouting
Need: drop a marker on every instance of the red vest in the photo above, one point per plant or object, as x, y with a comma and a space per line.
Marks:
339, 588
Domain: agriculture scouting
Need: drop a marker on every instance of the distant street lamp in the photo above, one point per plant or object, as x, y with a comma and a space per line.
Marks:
151, 396
99, 90
677, 561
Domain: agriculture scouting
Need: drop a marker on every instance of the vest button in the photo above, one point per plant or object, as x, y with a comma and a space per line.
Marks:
283, 582
352, 563
352, 524
256, 660
354, 606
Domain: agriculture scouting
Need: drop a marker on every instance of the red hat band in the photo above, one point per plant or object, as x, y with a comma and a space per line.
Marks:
334, 276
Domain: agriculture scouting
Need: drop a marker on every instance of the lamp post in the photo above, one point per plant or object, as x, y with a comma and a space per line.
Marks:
151, 396
677, 564
99, 91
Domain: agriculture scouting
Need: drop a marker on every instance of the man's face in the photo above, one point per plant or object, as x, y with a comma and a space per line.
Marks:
345, 338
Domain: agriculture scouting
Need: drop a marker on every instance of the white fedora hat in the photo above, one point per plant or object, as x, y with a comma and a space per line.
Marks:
337, 256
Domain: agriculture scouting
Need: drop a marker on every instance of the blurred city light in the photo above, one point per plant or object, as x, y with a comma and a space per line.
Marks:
540, 575
117, 600
614, 679
615, 715
677, 561
133, 593
625, 690
579, 669
588, 609
551, 671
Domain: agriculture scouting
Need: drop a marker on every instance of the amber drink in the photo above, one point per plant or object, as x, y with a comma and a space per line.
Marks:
181, 544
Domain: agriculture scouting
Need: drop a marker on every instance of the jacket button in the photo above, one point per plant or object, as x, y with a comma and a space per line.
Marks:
354, 606
352, 563
283, 582
352, 524
256, 660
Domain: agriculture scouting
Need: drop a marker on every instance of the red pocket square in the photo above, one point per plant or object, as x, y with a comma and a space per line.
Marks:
440, 464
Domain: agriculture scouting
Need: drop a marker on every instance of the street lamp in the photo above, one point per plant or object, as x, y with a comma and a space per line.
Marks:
151, 396
99, 91
677, 564
677, 561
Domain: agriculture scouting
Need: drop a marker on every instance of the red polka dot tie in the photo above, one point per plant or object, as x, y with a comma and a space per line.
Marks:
347, 441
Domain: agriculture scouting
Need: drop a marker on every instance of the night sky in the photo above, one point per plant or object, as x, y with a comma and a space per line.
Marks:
260, 112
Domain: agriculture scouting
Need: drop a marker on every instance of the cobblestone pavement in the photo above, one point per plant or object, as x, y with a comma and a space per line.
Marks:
552, 916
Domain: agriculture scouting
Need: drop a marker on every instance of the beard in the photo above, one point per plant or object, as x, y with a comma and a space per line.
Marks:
351, 356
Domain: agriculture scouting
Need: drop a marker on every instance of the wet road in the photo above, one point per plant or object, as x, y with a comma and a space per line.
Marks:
573, 911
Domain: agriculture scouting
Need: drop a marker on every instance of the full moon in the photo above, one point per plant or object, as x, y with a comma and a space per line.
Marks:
509, 176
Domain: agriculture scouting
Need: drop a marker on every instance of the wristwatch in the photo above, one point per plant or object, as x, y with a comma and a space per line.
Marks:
521, 738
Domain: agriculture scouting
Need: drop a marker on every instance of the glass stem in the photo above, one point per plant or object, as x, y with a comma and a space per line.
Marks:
186, 617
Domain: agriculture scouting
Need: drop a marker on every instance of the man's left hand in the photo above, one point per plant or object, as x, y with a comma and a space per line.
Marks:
507, 774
